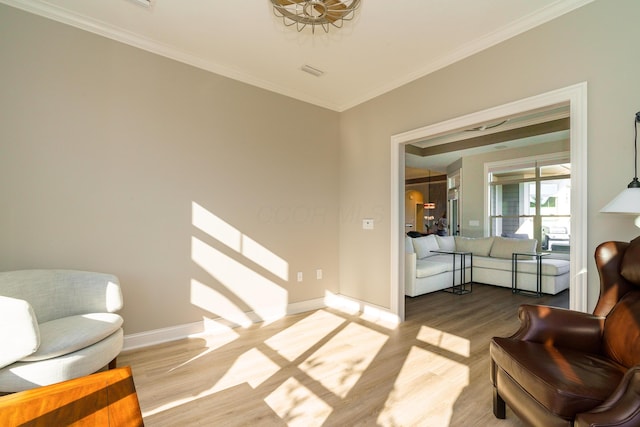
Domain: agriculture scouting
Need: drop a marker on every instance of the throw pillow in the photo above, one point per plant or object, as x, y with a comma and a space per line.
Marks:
480, 246
446, 243
503, 247
424, 246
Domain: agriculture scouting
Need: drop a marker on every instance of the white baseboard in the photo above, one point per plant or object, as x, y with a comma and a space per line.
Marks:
172, 333
368, 311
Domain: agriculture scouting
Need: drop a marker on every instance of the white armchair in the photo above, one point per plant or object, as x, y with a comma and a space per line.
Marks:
56, 325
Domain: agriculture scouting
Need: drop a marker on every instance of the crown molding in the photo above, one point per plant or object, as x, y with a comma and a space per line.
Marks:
56, 13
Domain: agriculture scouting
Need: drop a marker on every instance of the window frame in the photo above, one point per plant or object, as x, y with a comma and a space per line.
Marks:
535, 162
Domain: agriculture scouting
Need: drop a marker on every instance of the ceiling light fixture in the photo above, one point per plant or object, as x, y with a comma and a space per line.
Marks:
628, 201
315, 12
485, 127
429, 205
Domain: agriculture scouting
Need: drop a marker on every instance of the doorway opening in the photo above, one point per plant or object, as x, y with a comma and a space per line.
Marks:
575, 98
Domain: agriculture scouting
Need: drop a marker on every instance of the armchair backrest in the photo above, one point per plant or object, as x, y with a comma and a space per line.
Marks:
618, 265
621, 337
54, 294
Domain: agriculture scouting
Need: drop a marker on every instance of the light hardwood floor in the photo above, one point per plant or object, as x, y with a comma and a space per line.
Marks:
330, 368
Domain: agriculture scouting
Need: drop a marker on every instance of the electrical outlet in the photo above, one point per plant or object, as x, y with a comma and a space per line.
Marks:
318, 274
299, 276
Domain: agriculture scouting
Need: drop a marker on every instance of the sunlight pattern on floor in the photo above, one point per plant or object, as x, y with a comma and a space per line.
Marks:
299, 338
425, 366
444, 340
253, 368
329, 366
297, 405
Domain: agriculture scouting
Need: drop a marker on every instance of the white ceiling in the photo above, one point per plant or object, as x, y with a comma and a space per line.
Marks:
387, 44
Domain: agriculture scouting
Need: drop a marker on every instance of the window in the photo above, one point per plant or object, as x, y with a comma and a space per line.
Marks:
531, 198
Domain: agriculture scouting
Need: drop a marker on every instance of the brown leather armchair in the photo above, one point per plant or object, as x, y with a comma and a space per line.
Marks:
568, 368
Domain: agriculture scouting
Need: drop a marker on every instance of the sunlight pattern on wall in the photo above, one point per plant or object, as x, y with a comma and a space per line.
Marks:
238, 241
267, 299
216, 227
265, 258
214, 302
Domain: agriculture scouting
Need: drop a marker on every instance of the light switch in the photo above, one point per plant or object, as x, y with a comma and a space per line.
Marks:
367, 224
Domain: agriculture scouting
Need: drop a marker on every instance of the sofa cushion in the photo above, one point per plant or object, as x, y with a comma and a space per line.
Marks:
426, 268
477, 246
550, 266
446, 243
69, 334
621, 339
424, 245
86, 361
503, 247
492, 263
19, 333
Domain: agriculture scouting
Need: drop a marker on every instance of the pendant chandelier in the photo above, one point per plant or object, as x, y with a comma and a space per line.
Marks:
429, 205
315, 12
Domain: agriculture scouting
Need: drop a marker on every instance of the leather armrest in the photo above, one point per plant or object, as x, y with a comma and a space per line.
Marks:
19, 332
560, 327
621, 409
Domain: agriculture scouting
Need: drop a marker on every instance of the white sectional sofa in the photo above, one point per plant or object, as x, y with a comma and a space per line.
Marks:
428, 271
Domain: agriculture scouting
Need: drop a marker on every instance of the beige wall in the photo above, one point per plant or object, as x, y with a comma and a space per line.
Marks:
596, 44
105, 150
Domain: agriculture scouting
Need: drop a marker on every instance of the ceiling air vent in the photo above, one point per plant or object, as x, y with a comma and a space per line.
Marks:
145, 3
311, 70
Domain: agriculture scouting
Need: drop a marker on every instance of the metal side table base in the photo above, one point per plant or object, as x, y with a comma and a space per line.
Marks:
514, 273
464, 287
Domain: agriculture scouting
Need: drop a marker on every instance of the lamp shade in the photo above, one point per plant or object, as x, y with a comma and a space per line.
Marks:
627, 202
